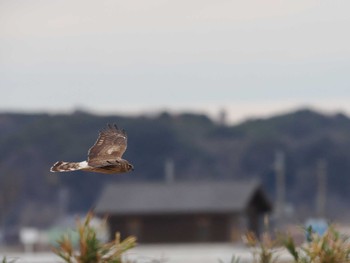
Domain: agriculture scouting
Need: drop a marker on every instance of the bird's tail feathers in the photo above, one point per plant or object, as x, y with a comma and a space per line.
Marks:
68, 166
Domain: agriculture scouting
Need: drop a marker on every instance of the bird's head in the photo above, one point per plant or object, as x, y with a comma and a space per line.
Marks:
130, 167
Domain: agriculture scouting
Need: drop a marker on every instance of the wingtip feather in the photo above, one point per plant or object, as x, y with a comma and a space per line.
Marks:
54, 166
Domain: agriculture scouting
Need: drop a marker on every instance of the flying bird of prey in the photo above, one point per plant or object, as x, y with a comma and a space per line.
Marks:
105, 156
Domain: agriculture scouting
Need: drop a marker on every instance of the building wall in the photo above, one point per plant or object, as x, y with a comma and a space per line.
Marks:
178, 228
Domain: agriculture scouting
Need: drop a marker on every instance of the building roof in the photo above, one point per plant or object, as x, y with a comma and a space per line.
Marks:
180, 197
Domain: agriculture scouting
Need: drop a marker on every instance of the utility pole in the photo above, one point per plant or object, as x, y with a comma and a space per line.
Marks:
279, 167
321, 173
169, 170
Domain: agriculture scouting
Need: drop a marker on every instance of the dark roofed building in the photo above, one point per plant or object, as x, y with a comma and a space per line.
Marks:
184, 211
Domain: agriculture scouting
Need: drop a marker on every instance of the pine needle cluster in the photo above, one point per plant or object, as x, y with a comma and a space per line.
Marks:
90, 248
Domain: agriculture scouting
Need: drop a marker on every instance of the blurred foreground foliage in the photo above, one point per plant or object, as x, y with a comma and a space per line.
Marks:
90, 248
331, 247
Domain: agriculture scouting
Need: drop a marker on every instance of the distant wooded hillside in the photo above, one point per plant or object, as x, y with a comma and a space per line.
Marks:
199, 148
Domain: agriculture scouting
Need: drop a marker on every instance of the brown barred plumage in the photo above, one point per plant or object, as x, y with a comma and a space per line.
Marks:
104, 156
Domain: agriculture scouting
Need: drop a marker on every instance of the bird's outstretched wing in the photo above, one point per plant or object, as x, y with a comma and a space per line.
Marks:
110, 145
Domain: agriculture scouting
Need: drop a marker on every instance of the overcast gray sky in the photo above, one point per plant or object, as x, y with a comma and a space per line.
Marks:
251, 57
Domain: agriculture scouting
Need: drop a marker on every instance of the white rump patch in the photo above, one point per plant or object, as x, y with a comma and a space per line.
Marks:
83, 164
